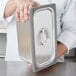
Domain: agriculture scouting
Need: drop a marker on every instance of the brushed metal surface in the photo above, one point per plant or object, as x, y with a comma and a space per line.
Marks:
37, 37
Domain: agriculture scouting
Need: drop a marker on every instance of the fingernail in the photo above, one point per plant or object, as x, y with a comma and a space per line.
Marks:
22, 20
26, 18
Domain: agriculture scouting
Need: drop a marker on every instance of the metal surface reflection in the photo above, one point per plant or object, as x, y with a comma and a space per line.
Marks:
37, 37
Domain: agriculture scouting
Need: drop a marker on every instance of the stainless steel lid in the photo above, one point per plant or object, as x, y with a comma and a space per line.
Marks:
37, 37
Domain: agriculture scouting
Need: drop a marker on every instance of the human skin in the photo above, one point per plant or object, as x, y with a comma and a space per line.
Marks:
21, 9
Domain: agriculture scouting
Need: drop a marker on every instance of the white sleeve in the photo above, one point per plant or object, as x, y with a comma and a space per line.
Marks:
42, 2
2, 8
68, 36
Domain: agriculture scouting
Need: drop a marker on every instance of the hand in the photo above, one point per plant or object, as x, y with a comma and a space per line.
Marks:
61, 49
22, 10
10, 8
29, 64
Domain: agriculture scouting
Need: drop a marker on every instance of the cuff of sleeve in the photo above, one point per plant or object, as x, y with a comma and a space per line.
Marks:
68, 39
9, 19
42, 2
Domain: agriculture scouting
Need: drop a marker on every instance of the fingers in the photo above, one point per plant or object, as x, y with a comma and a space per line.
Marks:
22, 11
26, 13
34, 4
29, 64
17, 14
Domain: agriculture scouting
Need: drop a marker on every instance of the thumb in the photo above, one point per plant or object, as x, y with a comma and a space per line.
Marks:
34, 4
29, 64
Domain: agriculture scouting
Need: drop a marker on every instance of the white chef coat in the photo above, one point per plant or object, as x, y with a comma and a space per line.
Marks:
66, 25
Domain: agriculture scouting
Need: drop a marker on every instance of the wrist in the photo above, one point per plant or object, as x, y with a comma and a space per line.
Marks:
9, 8
61, 49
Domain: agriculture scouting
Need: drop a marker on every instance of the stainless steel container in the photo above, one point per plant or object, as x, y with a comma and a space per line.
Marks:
37, 37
